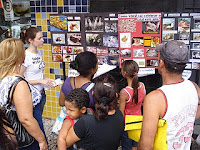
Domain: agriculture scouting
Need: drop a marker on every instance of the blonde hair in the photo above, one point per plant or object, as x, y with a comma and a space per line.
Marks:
12, 54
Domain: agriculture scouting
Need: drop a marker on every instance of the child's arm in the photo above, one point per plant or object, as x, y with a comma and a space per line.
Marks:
122, 101
61, 141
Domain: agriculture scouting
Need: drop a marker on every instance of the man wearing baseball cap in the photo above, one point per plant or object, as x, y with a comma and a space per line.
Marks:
176, 101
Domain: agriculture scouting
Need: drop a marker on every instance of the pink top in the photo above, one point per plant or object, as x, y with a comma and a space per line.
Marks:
131, 108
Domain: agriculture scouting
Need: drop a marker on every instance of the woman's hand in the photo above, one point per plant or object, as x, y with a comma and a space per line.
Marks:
48, 82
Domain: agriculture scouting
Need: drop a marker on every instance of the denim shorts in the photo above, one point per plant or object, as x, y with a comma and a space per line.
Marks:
127, 143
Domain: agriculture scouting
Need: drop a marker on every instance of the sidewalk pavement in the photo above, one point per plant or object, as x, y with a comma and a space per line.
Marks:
51, 138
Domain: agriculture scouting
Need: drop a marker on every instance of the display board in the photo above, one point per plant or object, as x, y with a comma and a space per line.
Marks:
184, 27
75, 33
139, 33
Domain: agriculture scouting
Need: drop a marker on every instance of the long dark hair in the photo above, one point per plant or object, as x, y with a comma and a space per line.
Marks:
104, 95
131, 68
5, 142
84, 62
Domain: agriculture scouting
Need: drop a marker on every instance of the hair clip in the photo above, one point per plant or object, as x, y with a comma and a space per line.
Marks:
107, 84
135, 73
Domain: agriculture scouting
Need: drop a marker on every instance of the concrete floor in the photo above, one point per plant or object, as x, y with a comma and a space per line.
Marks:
48, 123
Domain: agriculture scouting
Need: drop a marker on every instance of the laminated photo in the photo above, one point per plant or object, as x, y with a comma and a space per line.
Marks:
168, 24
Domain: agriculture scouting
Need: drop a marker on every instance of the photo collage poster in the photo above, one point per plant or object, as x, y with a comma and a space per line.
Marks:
75, 33
139, 33
66, 37
184, 27
101, 32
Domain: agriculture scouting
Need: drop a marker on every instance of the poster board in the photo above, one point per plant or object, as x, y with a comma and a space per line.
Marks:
184, 27
139, 33
75, 33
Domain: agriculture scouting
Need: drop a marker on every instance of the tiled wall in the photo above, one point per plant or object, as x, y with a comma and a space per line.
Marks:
40, 11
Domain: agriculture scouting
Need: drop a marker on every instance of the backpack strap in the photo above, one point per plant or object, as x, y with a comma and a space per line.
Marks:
89, 87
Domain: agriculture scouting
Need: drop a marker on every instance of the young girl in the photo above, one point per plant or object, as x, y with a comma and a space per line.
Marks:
131, 97
104, 129
76, 103
86, 64
33, 65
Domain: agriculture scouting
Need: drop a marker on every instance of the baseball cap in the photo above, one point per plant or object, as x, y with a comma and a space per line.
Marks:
174, 51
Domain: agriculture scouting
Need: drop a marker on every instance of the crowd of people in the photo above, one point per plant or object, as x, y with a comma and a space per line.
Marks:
176, 101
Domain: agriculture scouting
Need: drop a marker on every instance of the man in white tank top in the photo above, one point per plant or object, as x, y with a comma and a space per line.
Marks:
176, 101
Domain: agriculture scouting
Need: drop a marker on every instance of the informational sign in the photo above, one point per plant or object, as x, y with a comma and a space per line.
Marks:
8, 10
139, 33
74, 33
184, 27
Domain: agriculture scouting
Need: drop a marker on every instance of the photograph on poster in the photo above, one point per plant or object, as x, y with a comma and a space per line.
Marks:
151, 52
113, 52
195, 65
102, 51
184, 36
138, 52
125, 40
197, 24
196, 46
110, 40
137, 41
127, 25
56, 49
167, 36
58, 38
94, 23
155, 40
152, 62
102, 60
113, 60
58, 23
68, 49
184, 25
74, 26
147, 41
140, 62
93, 39
111, 27
125, 53
91, 49
195, 54
168, 24
68, 58
74, 38
196, 36
77, 49
57, 57
150, 27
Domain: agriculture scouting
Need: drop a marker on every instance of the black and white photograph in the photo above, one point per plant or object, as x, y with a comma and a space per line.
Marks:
94, 23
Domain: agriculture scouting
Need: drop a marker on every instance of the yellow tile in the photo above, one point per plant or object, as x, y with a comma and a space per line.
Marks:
44, 28
44, 22
48, 114
38, 16
38, 22
51, 65
52, 76
44, 113
60, 2
49, 34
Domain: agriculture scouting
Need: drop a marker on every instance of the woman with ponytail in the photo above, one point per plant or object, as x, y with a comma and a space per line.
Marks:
104, 130
131, 98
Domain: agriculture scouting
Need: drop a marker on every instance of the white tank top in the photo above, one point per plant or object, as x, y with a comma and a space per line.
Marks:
182, 103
